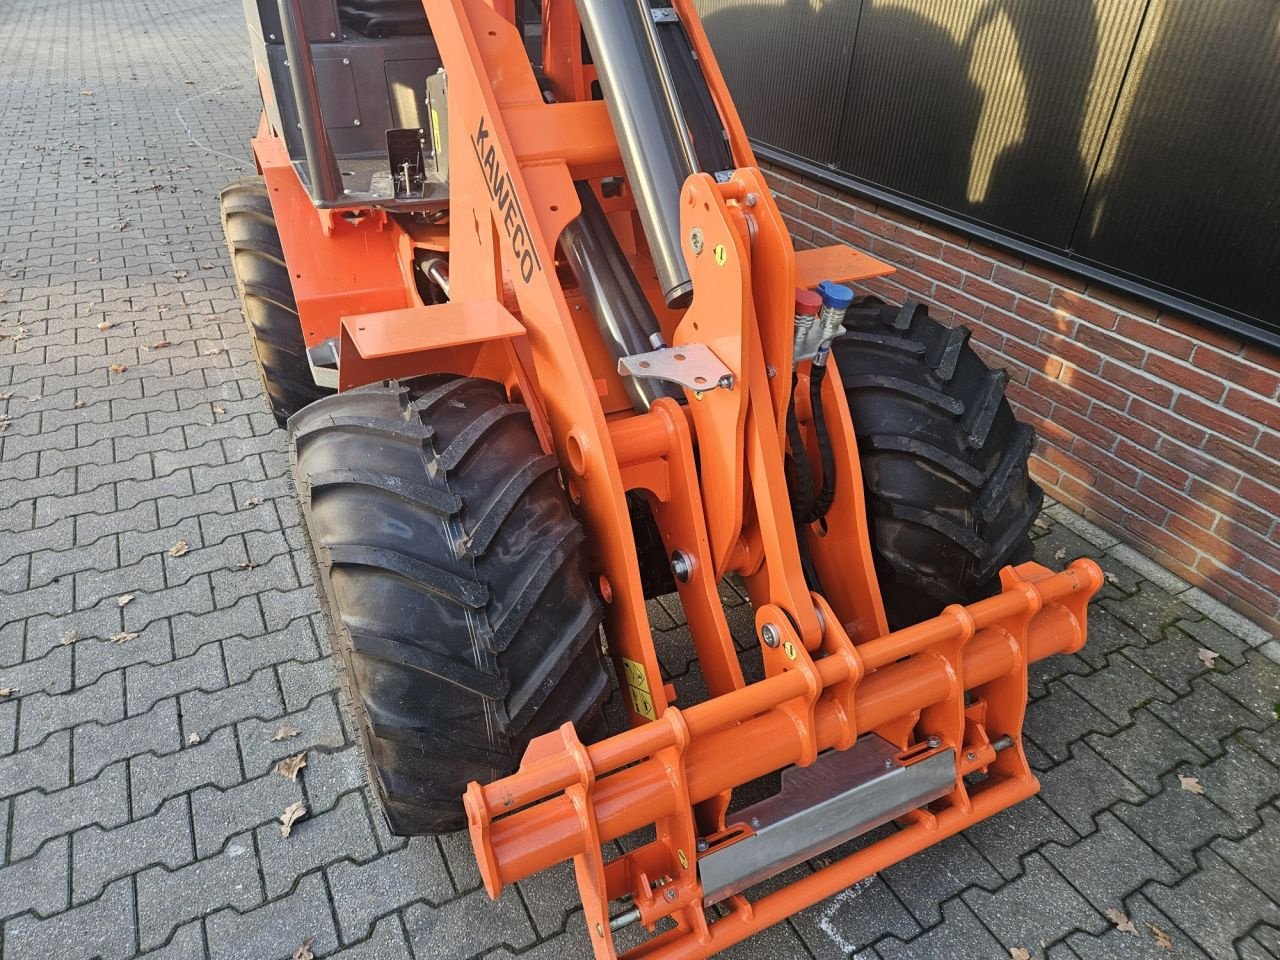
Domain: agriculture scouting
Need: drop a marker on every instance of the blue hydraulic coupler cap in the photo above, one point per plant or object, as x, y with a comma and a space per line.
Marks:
835, 295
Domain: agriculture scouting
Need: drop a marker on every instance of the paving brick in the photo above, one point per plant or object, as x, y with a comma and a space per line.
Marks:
97, 655
1240, 781
320, 839
1061, 787
258, 696
364, 892
303, 682
100, 856
187, 943
148, 684
219, 814
1107, 635
93, 930
853, 919
38, 883
296, 642
168, 899
43, 714
1011, 834
46, 767
213, 762
961, 934
318, 724
444, 932
276, 929
1059, 719
1147, 750
1214, 907
387, 942
1177, 822
96, 745
936, 874
1257, 687
39, 816
1207, 716
1119, 689
49, 674
1109, 864
1038, 907
1255, 855
332, 774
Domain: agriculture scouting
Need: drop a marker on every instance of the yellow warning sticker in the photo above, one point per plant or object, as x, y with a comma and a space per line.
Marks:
635, 674
722, 255
638, 688
789, 649
642, 703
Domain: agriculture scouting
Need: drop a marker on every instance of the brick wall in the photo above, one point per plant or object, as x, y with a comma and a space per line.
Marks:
1159, 429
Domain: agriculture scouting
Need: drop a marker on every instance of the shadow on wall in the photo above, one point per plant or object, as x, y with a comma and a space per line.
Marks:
964, 104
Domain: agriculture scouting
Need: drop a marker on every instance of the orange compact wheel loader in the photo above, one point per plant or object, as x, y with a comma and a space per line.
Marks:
544, 349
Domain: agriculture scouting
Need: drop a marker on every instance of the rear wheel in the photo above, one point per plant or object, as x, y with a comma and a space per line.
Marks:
944, 462
452, 572
266, 297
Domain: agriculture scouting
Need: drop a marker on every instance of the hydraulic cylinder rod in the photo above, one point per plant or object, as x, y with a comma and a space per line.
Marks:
606, 280
544, 833
657, 152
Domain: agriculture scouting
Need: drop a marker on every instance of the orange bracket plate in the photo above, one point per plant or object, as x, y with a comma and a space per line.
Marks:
839, 263
397, 343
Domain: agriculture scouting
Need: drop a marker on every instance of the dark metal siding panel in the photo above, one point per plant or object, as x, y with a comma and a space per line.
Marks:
993, 110
787, 65
1188, 188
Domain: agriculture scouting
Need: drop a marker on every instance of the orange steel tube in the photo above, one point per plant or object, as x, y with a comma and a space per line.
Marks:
546, 833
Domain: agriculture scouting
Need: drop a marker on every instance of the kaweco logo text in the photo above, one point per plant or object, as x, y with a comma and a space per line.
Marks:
505, 203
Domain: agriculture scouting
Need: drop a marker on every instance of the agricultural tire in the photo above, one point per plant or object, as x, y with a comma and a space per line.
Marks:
461, 614
944, 462
266, 297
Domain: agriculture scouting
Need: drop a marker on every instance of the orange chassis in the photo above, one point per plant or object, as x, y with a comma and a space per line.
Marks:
833, 672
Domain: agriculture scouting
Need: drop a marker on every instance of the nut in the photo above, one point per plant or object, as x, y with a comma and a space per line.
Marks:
769, 633
695, 240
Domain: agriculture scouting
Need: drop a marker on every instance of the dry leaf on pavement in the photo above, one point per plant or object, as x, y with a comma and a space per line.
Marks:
122, 637
1163, 940
1042, 523
304, 950
292, 814
246, 565
158, 345
193, 739
286, 732
70, 637
8, 691
1190, 784
290, 767
214, 351
254, 502
1121, 920
1060, 553
105, 325
179, 548
1019, 953
118, 368
123, 599
1207, 656
219, 409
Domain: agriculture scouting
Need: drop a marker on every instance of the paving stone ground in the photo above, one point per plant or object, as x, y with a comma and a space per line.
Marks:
137, 798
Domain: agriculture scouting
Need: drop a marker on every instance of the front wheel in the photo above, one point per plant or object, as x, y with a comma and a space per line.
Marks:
944, 462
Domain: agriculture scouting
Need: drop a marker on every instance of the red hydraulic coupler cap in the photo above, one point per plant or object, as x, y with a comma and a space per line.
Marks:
808, 303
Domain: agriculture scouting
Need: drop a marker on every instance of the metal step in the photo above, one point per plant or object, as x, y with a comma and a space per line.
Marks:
843, 794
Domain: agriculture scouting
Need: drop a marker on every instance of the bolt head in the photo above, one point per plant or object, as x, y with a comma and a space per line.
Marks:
971, 756
726, 382
769, 633
934, 742
681, 566
356, 122
751, 200
702, 845
695, 240
671, 894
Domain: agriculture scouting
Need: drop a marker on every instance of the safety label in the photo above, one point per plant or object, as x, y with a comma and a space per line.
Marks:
638, 689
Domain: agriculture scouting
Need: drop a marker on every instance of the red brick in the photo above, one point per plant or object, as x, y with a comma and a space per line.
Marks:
1114, 473
1022, 282
1058, 392
1122, 350
921, 242
1260, 380
989, 293
1227, 342
1034, 359
1247, 461
1095, 387
1163, 543
1059, 278
790, 188
1090, 311
1154, 336
899, 217
1086, 427
848, 233
1124, 425
1240, 536
1068, 464
1269, 446
993, 340
995, 253
1150, 390
1219, 501
1233, 589
1170, 473
957, 301
968, 261
1265, 412
1043, 473
942, 272
1123, 302
1008, 323
1196, 462
1261, 574
1263, 356
1177, 503
1264, 496
1071, 351
1029, 400
1214, 419
1166, 423
1054, 321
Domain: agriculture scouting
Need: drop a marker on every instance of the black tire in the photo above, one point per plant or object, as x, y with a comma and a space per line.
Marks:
266, 297
452, 573
944, 462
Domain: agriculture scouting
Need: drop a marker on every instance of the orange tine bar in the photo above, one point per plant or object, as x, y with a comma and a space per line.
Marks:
554, 773
535, 838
